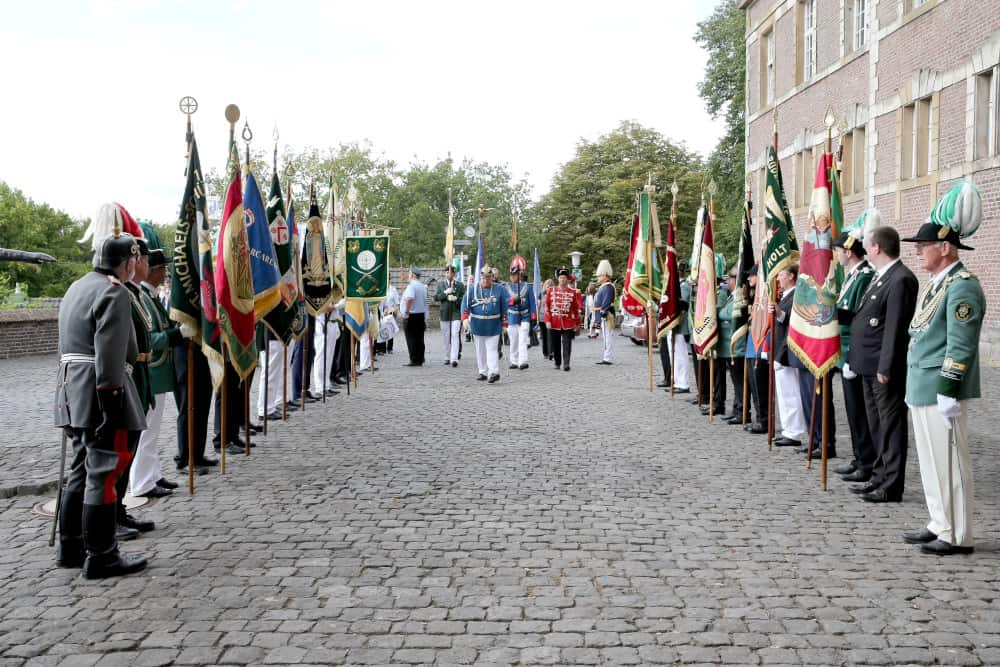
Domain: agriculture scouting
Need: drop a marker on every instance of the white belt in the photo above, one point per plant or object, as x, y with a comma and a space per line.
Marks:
74, 358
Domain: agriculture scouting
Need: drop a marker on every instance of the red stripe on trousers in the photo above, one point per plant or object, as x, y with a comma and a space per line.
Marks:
124, 458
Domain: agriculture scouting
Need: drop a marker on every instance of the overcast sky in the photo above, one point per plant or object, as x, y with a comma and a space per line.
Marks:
91, 87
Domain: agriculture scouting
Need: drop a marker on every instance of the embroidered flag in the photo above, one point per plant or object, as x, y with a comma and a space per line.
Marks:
234, 285
706, 314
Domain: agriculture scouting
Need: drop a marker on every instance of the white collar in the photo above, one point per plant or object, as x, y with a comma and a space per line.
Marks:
881, 272
940, 275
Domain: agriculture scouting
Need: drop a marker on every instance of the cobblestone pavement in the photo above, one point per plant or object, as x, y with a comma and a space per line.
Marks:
553, 518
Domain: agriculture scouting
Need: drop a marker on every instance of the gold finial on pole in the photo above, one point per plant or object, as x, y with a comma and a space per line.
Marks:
674, 189
829, 120
247, 136
712, 188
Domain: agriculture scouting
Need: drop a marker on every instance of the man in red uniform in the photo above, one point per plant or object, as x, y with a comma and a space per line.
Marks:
563, 306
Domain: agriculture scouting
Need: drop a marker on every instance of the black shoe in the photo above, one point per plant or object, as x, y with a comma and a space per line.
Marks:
70, 553
274, 415
522, 366
817, 453
291, 406
847, 469
881, 496
233, 448
603, 363
513, 367
141, 525
411, 364
493, 378
857, 476
942, 548
693, 400
663, 384
206, 463
481, 377
256, 428
447, 363
126, 534
165, 483
198, 470
113, 565
557, 366
863, 489
332, 392
566, 368
340, 380
678, 390
786, 442
156, 492
454, 364
755, 428
734, 420
919, 537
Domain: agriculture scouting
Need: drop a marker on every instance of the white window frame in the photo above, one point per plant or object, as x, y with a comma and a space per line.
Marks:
809, 40
770, 66
860, 24
990, 114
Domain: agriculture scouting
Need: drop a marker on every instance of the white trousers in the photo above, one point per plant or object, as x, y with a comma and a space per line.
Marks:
519, 335
365, 343
146, 470
487, 355
322, 340
786, 391
931, 434
680, 357
274, 365
450, 332
607, 332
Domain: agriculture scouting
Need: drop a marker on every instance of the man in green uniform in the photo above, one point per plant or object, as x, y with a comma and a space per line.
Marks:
730, 356
943, 371
449, 295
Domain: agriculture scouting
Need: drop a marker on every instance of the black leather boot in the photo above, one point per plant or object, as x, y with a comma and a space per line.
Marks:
126, 520
70, 551
103, 559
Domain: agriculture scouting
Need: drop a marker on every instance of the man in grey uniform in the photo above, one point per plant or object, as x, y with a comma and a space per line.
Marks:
98, 406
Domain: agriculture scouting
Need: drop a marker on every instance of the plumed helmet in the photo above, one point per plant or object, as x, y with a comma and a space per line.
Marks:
112, 251
956, 216
518, 264
112, 218
604, 268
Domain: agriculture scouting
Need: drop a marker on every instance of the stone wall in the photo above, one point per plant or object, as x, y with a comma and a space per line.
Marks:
27, 331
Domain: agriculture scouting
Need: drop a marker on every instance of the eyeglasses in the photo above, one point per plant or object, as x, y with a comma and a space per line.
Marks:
925, 244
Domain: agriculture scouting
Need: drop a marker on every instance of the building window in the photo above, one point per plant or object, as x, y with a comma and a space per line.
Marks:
770, 66
852, 162
805, 175
986, 114
913, 4
915, 139
860, 24
809, 39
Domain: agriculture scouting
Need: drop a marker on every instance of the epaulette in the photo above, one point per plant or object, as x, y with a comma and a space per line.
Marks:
965, 274
114, 281
867, 269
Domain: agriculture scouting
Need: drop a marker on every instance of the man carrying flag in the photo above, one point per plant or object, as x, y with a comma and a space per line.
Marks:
705, 324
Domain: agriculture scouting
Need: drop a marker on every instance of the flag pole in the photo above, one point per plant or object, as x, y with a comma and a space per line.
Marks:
354, 368
746, 364
712, 350
648, 254
826, 424
326, 348
671, 341
772, 300
812, 426
246, 414
284, 382
190, 409
830, 120
267, 373
224, 411
305, 356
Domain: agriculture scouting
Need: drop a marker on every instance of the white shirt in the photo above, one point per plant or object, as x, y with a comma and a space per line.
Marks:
940, 275
881, 272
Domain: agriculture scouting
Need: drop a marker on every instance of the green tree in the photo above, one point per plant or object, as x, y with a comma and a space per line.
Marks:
26, 225
723, 90
593, 198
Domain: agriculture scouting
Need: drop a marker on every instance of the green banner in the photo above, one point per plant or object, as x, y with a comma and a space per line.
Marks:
367, 267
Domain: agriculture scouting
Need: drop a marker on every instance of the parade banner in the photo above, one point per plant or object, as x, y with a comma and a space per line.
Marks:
644, 285
706, 314
234, 285
699, 233
741, 297
192, 282
536, 284
335, 235
316, 273
813, 330
300, 323
287, 320
780, 247
367, 267
263, 263
760, 322
670, 302
629, 304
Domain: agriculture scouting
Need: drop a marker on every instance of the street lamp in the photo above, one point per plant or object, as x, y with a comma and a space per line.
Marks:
575, 259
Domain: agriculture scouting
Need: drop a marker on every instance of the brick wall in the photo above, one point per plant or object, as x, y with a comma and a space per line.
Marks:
28, 331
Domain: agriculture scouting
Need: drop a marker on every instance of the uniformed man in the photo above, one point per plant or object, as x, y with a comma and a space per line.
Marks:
97, 405
449, 295
850, 252
943, 371
730, 357
484, 306
146, 478
522, 313
562, 305
604, 310
680, 350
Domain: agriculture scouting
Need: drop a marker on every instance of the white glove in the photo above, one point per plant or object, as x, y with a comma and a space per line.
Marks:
848, 373
449, 291
188, 331
949, 408
452, 297
465, 326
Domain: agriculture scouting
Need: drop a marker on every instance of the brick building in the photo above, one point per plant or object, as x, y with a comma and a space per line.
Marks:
914, 85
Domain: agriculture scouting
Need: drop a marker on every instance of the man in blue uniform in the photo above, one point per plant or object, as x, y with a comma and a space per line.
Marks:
484, 307
604, 310
522, 313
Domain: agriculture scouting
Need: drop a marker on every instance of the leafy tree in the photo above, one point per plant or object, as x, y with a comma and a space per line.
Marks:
723, 90
593, 198
25, 225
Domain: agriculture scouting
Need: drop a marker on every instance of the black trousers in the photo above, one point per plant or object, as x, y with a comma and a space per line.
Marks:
234, 408
341, 364
561, 345
807, 389
544, 334
665, 358
890, 431
759, 370
719, 367
302, 360
857, 419
735, 368
414, 329
202, 401
701, 368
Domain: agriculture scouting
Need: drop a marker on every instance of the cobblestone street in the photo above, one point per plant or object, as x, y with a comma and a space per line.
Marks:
552, 518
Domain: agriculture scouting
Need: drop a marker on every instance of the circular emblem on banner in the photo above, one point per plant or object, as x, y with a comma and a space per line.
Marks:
366, 260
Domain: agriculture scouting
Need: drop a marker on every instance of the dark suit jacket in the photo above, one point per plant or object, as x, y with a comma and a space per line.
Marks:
782, 316
879, 331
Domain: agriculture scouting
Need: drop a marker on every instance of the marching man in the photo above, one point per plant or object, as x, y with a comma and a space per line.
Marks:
604, 309
484, 307
522, 313
563, 305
